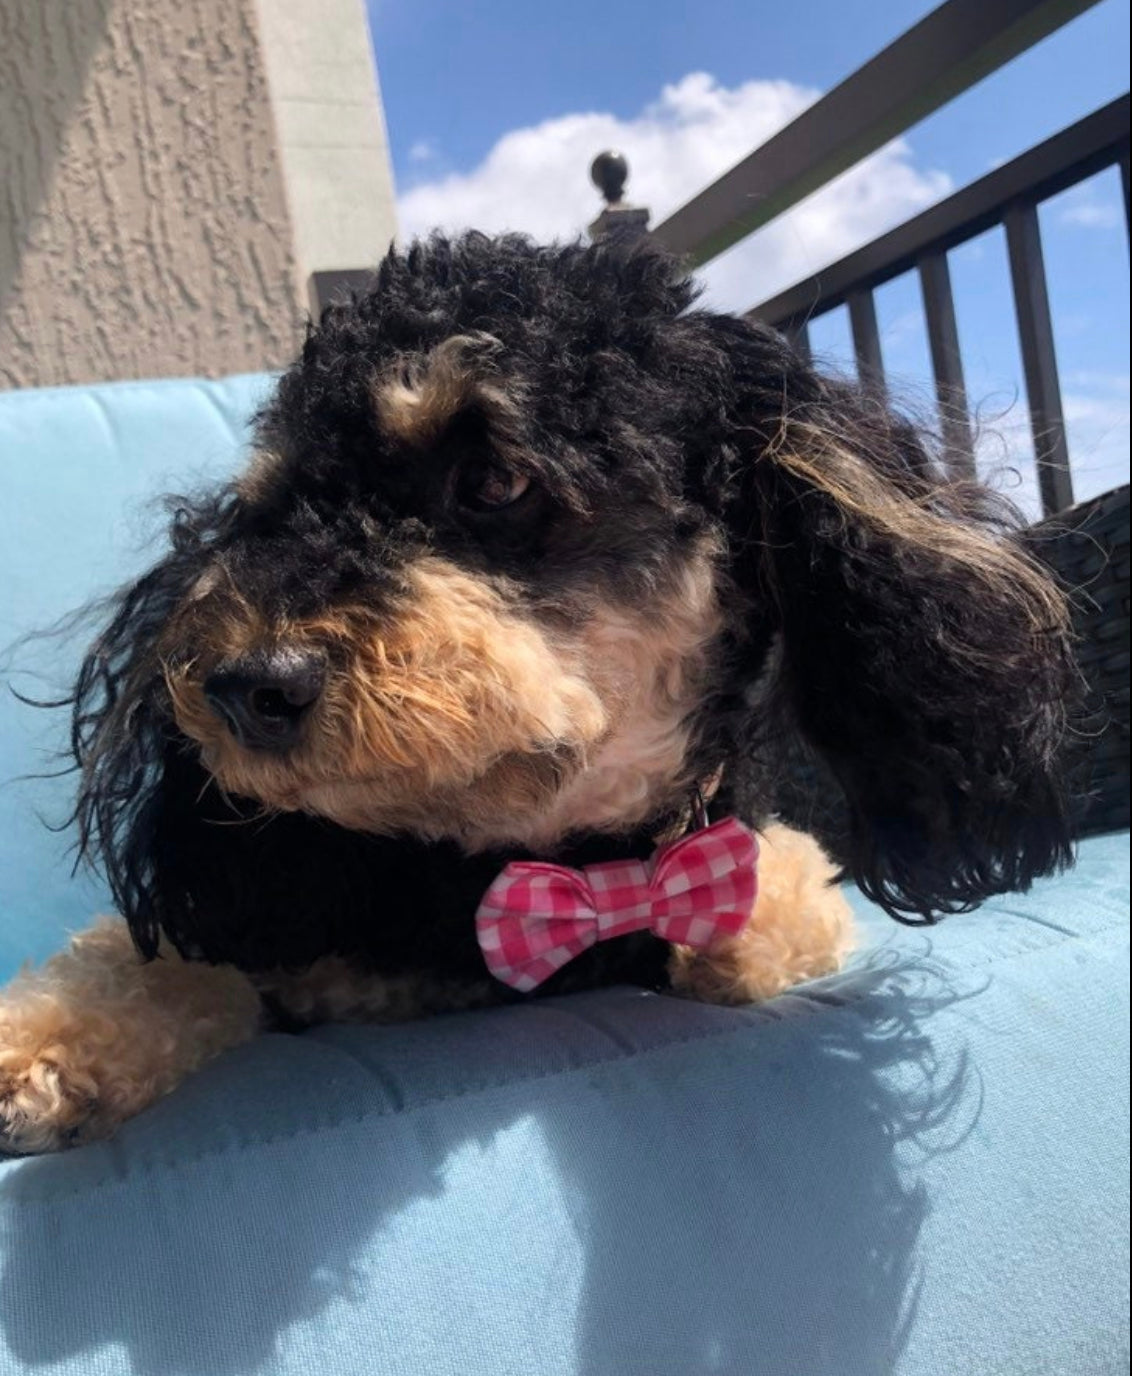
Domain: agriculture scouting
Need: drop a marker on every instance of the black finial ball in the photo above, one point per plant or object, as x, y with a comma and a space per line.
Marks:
609, 173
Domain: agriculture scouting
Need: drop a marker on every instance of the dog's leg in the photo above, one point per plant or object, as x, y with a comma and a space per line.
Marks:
98, 1033
802, 927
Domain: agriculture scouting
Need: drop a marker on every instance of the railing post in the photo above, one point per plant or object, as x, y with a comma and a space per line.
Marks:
1039, 360
947, 364
324, 288
609, 172
866, 339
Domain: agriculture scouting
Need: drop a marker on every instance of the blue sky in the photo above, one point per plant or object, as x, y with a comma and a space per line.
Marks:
494, 110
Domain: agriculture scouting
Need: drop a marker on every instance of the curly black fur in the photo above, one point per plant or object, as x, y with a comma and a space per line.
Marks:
935, 701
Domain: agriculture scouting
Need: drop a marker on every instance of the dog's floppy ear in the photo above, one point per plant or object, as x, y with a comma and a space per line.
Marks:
185, 863
122, 733
924, 655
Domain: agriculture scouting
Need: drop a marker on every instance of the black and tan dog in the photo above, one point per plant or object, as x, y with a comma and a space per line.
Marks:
529, 552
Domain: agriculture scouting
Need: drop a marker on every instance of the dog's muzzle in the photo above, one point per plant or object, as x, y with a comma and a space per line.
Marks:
264, 697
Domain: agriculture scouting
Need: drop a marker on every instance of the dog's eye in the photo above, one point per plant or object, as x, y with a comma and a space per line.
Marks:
489, 487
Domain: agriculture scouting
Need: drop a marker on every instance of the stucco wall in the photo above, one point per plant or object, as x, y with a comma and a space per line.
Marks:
144, 228
331, 129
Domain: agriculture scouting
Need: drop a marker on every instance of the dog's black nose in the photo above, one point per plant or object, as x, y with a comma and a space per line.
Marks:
263, 697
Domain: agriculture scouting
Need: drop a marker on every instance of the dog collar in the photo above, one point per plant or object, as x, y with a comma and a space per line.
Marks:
536, 917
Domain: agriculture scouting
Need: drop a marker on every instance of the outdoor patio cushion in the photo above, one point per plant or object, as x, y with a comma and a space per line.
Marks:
918, 1167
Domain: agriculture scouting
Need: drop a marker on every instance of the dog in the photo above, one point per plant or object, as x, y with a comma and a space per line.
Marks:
532, 556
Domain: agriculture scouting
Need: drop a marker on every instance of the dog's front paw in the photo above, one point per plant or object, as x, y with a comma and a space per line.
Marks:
45, 1104
97, 1035
63, 1068
802, 928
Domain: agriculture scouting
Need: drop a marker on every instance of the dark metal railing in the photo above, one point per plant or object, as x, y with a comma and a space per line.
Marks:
947, 52
1009, 196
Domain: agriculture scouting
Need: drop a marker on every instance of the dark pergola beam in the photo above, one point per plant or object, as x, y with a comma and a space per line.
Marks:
943, 55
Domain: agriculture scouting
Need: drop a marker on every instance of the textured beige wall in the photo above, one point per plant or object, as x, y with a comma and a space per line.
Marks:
331, 128
143, 219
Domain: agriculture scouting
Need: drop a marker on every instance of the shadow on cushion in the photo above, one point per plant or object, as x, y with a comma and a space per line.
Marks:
653, 1147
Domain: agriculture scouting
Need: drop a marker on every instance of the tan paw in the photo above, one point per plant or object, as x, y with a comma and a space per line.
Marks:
63, 1078
43, 1106
802, 928
97, 1035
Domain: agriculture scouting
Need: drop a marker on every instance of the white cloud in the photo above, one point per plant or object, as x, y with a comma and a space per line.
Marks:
424, 150
1091, 216
537, 180
1081, 207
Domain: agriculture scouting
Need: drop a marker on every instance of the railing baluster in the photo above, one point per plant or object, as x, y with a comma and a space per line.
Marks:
1039, 361
947, 364
866, 338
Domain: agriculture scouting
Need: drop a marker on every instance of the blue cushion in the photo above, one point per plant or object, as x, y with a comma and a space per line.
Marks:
919, 1167
80, 469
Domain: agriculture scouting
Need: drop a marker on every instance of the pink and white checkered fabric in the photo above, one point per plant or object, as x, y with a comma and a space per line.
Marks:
535, 916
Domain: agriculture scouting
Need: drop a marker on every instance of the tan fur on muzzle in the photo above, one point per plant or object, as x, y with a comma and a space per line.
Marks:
455, 713
425, 701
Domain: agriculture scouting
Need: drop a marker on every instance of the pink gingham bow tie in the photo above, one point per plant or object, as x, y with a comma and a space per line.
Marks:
536, 917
